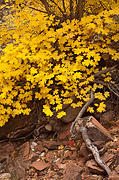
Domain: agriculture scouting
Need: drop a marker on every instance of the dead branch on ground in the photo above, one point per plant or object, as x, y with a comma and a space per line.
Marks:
93, 149
77, 126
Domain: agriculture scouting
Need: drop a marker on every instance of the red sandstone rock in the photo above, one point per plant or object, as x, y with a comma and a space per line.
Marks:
25, 149
117, 123
97, 132
72, 171
94, 167
65, 133
39, 165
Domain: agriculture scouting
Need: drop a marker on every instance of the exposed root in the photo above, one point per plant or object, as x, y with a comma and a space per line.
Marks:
77, 126
94, 150
72, 128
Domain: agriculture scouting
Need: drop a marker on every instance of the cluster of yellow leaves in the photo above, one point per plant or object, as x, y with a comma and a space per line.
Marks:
41, 62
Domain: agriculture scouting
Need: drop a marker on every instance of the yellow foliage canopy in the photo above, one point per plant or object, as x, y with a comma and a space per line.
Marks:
45, 58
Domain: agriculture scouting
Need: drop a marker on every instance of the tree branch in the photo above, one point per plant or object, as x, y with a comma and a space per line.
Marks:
93, 149
104, 71
57, 6
72, 128
46, 6
64, 5
71, 9
35, 9
115, 89
77, 126
79, 10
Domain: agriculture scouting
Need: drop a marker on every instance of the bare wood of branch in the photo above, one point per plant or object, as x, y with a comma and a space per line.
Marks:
64, 5
99, 82
104, 71
57, 6
111, 88
83, 130
35, 9
79, 9
72, 128
93, 149
71, 9
46, 6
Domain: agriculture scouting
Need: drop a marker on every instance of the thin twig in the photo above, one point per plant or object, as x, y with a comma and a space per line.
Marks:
110, 86
100, 82
35, 8
104, 71
57, 6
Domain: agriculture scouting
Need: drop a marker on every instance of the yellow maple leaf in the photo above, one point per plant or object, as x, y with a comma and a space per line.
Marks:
47, 111
61, 114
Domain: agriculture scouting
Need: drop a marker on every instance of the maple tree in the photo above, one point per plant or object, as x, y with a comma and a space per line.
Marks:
52, 50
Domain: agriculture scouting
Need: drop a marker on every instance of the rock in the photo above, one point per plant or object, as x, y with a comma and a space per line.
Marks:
114, 130
74, 156
50, 156
94, 167
71, 114
117, 169
25, 149
40, 148
3, 157
99, 144
48, 127
90, 177
56, 125
88, 154
117, 157
117, 116
72, 172
67, 154
107, 118
18, 168
82, 161
113, 175
43, 135
59, 164
33, 157
51, 145
33, 144
116, 143
5, 176
85, 151
107, 157
117, 123
65, 133
97, 132
39, 165
109, 106
9, 148
97, 115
